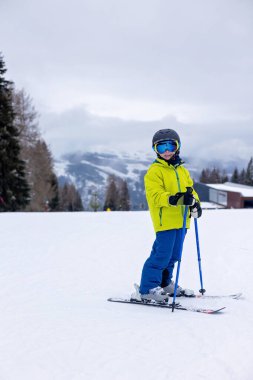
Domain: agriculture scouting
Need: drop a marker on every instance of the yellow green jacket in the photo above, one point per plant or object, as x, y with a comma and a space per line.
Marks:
161, 181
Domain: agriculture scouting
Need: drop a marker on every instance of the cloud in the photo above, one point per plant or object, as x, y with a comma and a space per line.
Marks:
197, 52
108, 74
84, 131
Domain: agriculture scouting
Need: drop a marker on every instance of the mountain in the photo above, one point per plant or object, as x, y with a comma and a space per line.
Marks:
89, 173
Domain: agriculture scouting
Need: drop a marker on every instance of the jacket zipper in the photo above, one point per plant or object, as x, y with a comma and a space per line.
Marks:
179, 188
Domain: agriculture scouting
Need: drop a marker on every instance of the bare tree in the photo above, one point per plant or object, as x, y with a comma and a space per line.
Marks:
42, 177
35, 152
111, 197
70, 199
124, 199
213, 176
26, 119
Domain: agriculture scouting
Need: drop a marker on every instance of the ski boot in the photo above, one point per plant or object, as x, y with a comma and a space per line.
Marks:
156, 294
169, 289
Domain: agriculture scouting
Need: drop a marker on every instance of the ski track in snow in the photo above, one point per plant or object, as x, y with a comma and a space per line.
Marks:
58, 269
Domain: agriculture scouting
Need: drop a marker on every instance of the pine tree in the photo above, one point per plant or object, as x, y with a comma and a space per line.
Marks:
94, 203
235, 176
224, 176
54, 202
242, 177
249, 173
14, 188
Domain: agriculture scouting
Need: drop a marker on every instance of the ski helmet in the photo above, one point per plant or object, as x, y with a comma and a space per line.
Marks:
165, 134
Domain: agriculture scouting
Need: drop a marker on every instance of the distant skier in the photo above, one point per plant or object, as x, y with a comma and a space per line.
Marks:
168, 187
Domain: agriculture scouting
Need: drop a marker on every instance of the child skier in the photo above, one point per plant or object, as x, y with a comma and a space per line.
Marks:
168, 187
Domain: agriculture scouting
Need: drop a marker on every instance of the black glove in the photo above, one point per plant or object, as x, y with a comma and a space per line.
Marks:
185, 198
196, 210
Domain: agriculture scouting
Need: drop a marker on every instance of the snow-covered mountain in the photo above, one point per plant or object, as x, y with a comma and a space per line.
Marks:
89, 173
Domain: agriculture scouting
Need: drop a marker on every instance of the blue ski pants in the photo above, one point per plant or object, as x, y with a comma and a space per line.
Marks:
158, 268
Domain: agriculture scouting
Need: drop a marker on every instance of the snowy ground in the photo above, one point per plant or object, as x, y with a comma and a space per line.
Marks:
57, 271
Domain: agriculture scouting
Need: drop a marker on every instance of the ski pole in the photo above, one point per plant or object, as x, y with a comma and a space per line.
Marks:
202, 290
180, 256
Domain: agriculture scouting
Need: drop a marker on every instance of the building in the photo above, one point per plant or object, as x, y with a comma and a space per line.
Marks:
228, 194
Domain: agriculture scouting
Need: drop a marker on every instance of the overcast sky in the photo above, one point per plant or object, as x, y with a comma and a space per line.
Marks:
106, 74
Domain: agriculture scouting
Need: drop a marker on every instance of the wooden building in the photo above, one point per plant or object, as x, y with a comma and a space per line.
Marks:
228, 194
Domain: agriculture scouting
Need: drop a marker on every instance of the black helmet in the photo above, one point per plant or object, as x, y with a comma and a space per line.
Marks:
165, 134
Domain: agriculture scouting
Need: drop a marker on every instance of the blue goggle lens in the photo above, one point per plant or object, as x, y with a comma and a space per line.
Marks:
171, 146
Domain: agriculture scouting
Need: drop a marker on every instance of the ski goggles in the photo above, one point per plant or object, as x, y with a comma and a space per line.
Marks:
170, 145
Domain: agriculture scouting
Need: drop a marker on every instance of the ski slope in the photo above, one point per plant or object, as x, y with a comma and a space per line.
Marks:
58, 269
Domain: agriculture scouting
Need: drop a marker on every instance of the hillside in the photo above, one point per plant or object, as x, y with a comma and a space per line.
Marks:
89, 173
57, 271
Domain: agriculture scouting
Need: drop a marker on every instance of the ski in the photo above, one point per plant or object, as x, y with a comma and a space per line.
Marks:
177, 306
235, 296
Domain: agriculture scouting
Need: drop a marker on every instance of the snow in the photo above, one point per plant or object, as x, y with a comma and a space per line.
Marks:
132, 170
106, 169
58, 269
210, 205
61, 168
